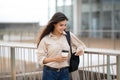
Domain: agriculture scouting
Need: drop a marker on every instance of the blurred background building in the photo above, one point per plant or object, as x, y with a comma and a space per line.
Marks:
18, 32
95, 22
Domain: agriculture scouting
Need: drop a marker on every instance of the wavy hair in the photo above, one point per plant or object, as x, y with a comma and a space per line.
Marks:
57, 17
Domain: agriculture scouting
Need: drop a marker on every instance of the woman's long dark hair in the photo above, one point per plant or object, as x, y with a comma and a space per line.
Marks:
57, 17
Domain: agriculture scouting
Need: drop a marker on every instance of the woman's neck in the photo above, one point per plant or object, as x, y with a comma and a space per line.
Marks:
56, 33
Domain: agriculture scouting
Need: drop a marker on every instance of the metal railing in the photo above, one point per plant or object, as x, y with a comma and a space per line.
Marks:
100, 64
18, 36
18, 61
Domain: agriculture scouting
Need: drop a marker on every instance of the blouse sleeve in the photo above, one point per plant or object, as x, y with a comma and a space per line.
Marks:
76, 43
42, 52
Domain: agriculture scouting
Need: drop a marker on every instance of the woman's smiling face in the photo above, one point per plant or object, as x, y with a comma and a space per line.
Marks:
60, 26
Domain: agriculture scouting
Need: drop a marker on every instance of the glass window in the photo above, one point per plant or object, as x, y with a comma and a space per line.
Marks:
96, 1
117, 20
95, 34
107, 24
84, 34
111, 0
117, 35
85, 1
107, 34
107, 15
2, 26
117, 15
101, 18
95, 20
85, 21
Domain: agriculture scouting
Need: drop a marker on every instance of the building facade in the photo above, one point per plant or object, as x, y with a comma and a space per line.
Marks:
24, 32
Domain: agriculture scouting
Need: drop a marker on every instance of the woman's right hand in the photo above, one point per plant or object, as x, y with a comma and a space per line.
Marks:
60, 59
55, 59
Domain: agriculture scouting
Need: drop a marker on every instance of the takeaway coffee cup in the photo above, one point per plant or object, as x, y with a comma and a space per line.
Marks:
65, 53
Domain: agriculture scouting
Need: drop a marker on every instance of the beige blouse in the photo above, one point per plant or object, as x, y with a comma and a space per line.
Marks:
50, 46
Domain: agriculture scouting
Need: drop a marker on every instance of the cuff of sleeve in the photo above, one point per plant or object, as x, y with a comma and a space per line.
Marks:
41, 61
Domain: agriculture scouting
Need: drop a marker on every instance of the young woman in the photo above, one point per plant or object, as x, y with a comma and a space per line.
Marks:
51, 44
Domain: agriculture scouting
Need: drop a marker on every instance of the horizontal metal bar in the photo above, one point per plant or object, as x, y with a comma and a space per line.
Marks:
22, 74
18, 44
87, 50
102, 51
97, 66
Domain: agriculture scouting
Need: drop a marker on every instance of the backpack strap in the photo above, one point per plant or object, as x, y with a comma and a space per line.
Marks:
68, 40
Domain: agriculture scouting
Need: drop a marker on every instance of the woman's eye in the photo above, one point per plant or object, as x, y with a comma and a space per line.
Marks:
63, 25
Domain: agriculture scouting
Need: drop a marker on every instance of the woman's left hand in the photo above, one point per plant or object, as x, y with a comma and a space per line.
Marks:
79, 51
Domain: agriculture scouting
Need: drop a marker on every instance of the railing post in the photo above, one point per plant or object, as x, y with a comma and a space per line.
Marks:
13, 68
108, 68
118, 67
